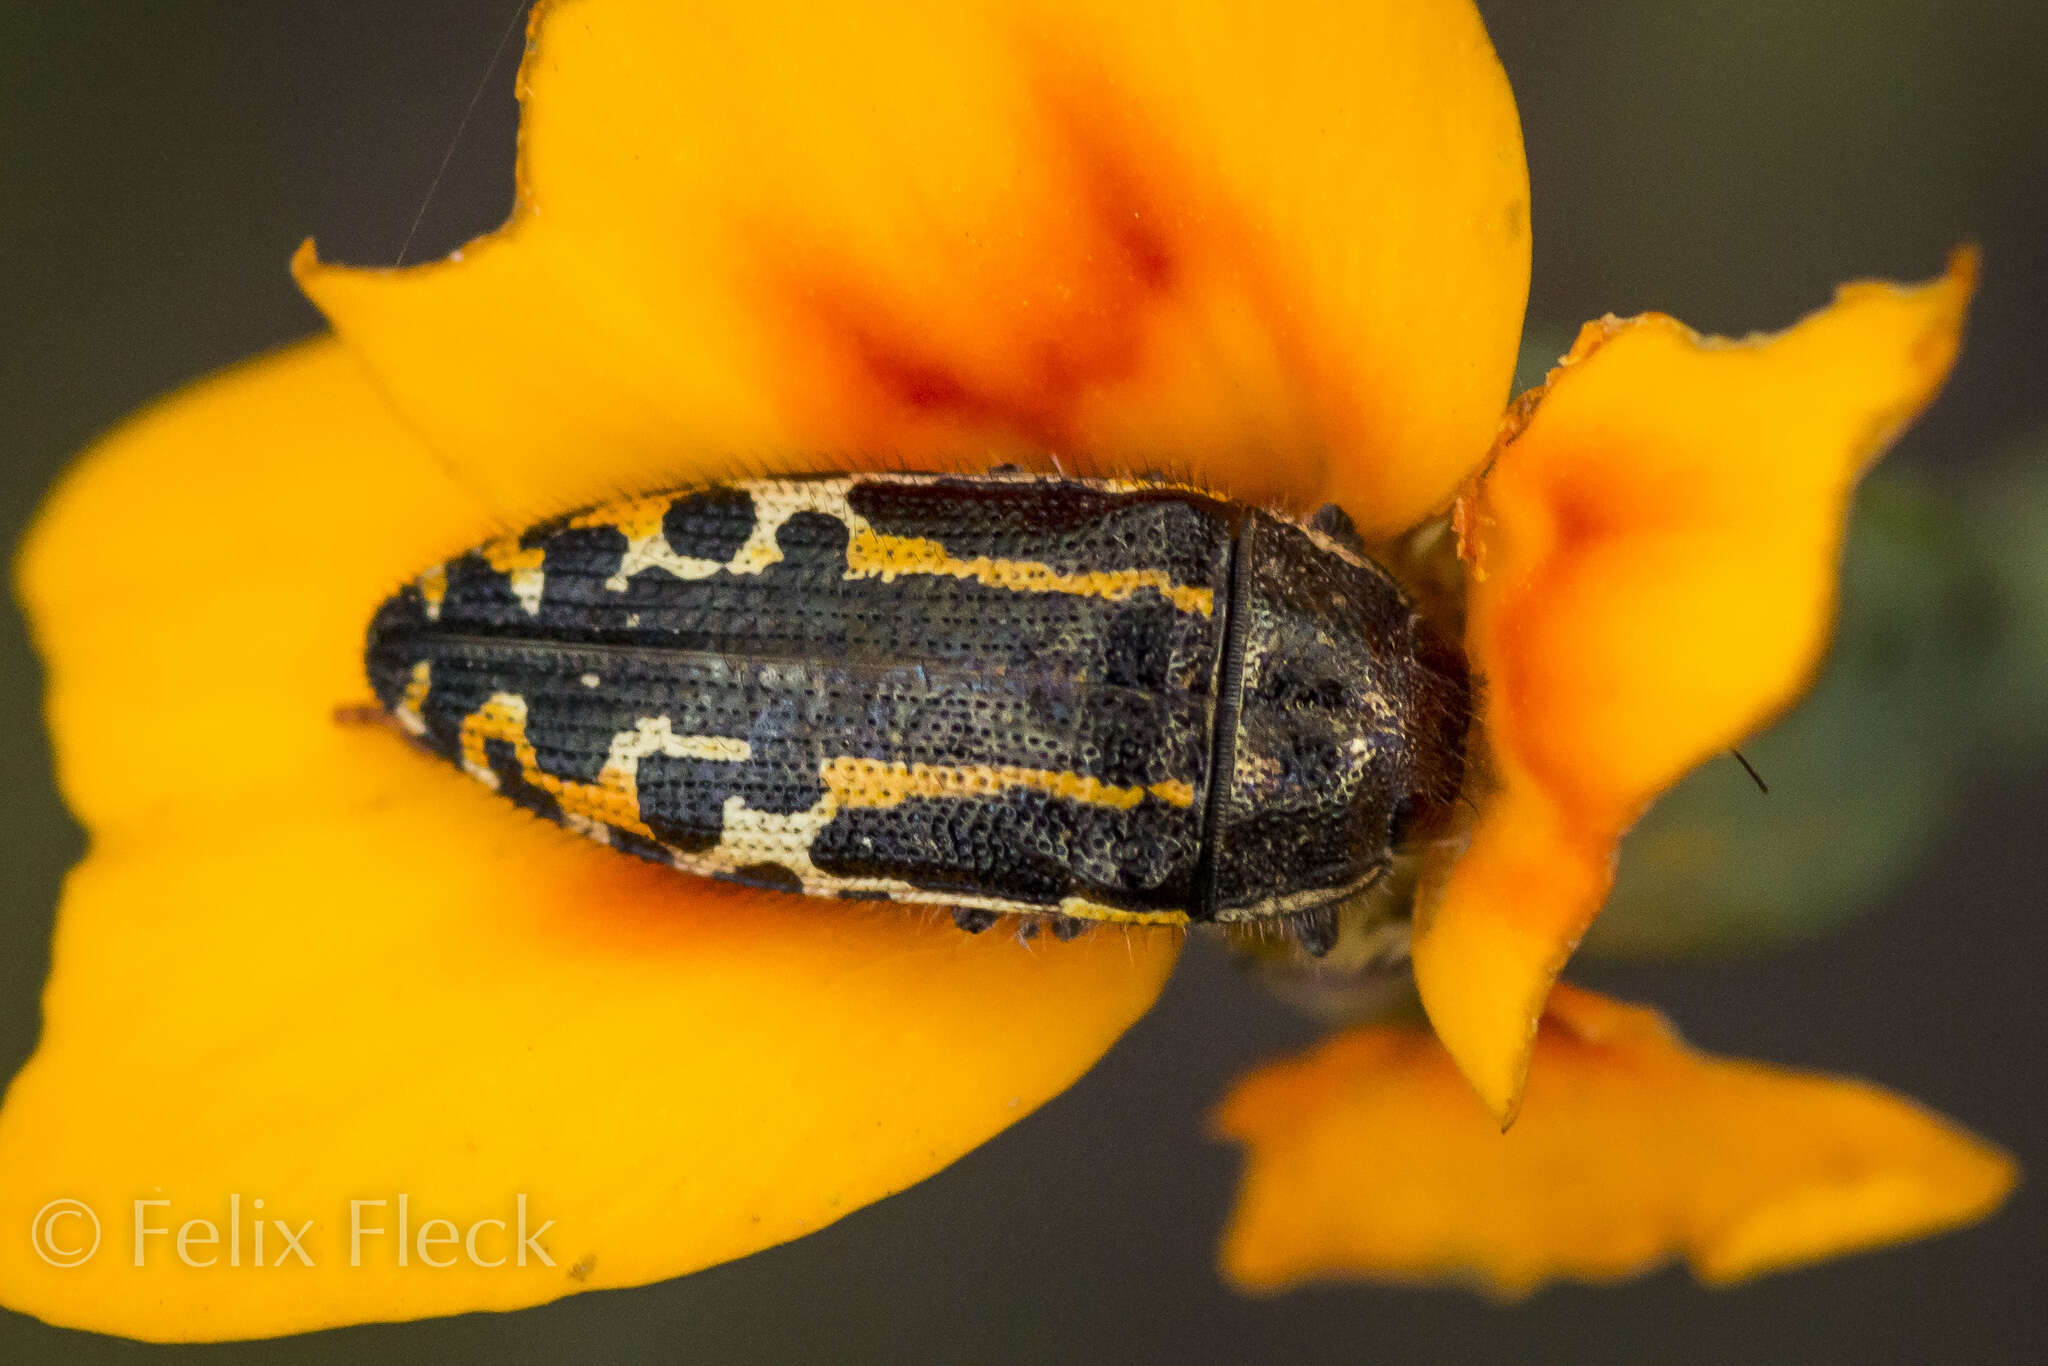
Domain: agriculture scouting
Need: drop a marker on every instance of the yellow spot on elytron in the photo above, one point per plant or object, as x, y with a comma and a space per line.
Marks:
522, 565
873, 554
635, 518
1114, 485
641, 522
1081, 908
874, 783
614, 799
609, 800
434, 588
870, 553
407, 711
749, 836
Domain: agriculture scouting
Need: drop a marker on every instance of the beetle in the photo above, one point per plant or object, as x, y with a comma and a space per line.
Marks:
1067, 699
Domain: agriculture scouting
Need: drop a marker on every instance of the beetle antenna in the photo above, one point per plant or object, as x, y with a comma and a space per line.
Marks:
461, 127
1750, 769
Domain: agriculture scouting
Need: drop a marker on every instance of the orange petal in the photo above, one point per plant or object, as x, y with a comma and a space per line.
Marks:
1653, 557
1281, 247
306, 965
1371, 1158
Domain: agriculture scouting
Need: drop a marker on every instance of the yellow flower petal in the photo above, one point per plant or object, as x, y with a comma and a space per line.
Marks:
307, 965
1653, 557
1280, 247
1371, 1158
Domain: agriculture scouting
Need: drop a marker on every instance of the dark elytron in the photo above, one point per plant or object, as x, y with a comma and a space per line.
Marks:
1095, 700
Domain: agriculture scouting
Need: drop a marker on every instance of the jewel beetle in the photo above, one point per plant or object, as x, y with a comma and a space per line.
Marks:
1065, 699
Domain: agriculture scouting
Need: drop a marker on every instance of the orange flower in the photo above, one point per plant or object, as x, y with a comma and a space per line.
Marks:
1282, 248
1633, 1149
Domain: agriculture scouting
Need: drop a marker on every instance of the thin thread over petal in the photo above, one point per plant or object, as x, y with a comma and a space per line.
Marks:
1281, 248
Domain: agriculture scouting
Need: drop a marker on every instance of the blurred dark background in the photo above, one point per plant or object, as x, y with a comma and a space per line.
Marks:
1727, 162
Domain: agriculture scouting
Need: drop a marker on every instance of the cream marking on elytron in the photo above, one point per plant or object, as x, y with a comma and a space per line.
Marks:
407, 712
870, 553
521, 566
749, 838
614, 799
434, 590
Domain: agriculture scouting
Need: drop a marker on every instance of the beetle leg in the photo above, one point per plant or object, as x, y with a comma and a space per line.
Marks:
1336, 523
973, 919
1316, 931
